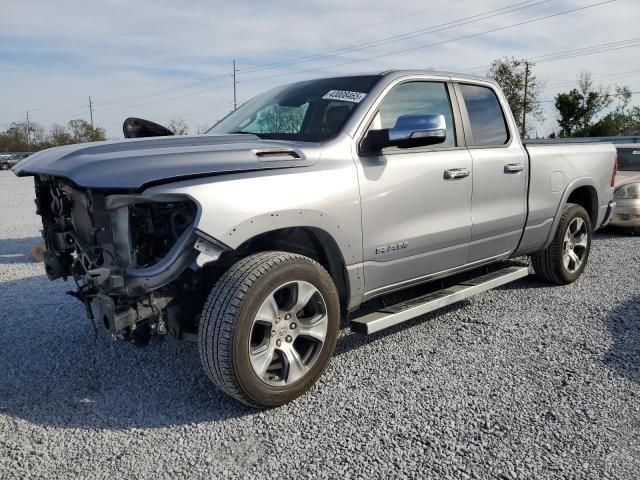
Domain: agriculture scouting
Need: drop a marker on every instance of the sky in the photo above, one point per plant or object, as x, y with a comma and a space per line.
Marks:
162, 60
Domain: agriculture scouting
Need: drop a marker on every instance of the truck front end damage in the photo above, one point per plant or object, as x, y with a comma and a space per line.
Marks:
137, 260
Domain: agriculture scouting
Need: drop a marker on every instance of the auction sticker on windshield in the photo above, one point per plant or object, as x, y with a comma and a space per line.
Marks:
344, 95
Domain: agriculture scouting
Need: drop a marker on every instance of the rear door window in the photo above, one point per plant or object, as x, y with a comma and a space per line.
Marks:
488, 125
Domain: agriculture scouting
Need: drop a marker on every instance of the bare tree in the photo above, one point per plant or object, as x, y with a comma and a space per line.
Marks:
512, 76
204, 128
281, 120
178, 126
59, 135
82, 131
15, 139
580, 108
594, 100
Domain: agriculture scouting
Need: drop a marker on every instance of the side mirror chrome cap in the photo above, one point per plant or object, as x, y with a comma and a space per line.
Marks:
409, 131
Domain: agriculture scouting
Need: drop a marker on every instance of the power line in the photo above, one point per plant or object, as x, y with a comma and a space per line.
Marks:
402, 50
262, 67
553, 99
463, 37
566, 54
617, 75
209, 89
369, 25
358, 47
404, 36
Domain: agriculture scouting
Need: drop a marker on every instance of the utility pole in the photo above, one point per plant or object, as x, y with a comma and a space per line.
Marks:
235, 100
91, 111
28, 133
524, 105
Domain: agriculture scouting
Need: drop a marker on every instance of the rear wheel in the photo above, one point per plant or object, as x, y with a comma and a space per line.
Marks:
269, 327
4, 166
565, 259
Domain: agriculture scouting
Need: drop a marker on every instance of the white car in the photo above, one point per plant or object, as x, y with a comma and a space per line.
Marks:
627, 188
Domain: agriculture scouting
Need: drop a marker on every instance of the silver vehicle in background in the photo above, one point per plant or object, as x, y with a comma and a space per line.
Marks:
257, 238
627, 188
10, 160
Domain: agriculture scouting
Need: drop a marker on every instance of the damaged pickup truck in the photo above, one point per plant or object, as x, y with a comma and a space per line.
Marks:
258, 237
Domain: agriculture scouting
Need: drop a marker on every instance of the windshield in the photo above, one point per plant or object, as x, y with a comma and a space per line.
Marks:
629, 159
308, 111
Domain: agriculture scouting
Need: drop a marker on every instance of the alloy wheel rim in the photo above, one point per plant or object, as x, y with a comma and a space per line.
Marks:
576, 241
288, 333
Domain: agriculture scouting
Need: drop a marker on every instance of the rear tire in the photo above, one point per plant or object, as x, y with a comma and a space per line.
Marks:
269, 327
564, 260
4, 166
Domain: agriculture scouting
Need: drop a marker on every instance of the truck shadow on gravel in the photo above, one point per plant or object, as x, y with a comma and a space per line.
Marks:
624, 326
17, 250
53, 371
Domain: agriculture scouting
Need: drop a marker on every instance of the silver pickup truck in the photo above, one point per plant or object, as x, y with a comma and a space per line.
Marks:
258, 238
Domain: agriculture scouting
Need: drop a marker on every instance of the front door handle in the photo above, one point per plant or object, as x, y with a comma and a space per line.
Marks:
513, 168
456, 173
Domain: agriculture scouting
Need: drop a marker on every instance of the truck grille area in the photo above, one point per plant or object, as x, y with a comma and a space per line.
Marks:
129, 255
94, 234
155, 228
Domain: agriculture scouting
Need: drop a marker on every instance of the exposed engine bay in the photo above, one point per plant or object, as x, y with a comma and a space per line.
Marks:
137, 261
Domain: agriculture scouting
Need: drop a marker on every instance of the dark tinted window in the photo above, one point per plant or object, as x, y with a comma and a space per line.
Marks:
417, 98
629, 159
488, 126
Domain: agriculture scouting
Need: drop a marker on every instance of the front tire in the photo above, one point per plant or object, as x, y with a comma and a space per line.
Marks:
269, 327
564, 260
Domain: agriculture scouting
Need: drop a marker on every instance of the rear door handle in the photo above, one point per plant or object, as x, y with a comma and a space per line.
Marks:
456, 173
513, 168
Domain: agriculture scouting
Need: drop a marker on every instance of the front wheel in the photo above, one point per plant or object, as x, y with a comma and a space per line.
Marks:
269, 328
564, 260
4, 166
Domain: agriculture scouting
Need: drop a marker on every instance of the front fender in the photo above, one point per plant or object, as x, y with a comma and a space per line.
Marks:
236, 208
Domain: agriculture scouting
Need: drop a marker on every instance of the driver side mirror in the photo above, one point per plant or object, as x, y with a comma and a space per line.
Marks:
409, 131
140, 128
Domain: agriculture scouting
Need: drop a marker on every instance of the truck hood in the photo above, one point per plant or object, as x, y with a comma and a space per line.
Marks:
135, 163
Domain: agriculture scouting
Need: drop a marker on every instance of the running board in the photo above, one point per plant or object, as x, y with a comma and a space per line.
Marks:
401, 312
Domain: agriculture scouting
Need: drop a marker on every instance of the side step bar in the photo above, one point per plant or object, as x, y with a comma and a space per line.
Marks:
401, 312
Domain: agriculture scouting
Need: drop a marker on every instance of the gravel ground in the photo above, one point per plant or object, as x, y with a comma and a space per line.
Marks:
527, 381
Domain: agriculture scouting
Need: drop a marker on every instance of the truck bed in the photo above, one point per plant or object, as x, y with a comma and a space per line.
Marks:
556, 169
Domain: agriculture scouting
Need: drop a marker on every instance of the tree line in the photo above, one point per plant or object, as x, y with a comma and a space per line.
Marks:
586, 110
33, 136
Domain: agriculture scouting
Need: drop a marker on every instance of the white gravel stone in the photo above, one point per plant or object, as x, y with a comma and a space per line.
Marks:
526, 381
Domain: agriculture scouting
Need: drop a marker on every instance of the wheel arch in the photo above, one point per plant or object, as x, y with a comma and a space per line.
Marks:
587, 197
310, 241
582, 192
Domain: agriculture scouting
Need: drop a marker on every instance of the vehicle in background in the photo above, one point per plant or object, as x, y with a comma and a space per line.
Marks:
11, 160
627, 188
257, 238
5, 156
